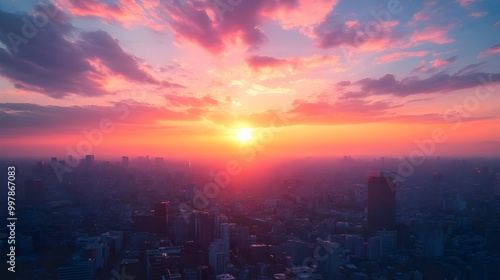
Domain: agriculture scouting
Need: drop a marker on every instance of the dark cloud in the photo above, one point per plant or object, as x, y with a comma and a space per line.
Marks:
192, 21
440, 82
33, 119
335, 31
44, 58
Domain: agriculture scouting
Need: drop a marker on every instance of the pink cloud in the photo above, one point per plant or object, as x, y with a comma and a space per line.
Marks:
439, 63
431, 34
335, 32
465, 3
292, 65
478, 14
125, 12
399, 55
206, 25
304, 13
191, 101
490, 51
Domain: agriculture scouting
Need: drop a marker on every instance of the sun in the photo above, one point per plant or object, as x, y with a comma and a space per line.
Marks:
244, 135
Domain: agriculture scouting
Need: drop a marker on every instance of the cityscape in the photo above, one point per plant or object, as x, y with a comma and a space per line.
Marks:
250, 139
307, 218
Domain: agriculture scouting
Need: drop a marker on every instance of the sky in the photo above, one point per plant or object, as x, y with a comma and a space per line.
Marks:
188, 78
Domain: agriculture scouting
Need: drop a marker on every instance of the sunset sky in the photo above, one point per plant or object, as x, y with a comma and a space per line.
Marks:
181, 78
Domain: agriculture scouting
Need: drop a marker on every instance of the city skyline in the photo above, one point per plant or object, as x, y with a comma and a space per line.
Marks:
196, 79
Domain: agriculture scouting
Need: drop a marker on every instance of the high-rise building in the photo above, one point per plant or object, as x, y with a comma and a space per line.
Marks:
355, 243
381, 201
485, 267
159, 161
216, 256
124, 161
221, 231
332, 262
493, 240
202, 228
161, 210
497, 186
89, 160
79, 268
433, 239
373, 248
387, 242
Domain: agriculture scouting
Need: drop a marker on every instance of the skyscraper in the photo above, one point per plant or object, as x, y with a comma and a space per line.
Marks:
89, 160
497, 186
125, 161
433, 239
161, 210
381, 201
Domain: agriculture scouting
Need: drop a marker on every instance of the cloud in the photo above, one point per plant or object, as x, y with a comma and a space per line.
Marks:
127, 13
32, 119
477, 14
292, 65
335, 32
100, 45
435, 65
443, 62
258, 62
258, 89
440, 82
191, 101
304, 13
51, 62
465, 3
399, 55
432, 34
490, 51
212, 25
335, 112
217, 25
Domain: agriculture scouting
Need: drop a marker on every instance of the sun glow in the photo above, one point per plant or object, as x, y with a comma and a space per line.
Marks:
244, 135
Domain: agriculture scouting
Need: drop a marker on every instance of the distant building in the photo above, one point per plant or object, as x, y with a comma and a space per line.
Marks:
78, 268
159, 161
497, 186
89, 160
125, 161
381, 201
433, 239
161, 210
485, 267
493, 240
387, 242
216, 256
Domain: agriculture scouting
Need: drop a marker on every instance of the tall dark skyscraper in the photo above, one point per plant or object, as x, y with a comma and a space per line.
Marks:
89, 160
125, 161
381, 201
